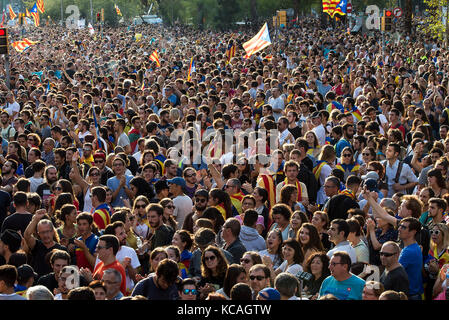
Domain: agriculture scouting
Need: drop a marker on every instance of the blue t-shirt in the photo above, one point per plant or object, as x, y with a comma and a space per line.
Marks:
349, 289
412, 261
113, 184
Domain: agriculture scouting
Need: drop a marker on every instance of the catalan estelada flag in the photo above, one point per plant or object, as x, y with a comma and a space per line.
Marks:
119, 13
192, 69
27, 13
230, 52
340, 8
329, 6
22, 45
260, 41
12, 14
35, 14
155, 57
40, 6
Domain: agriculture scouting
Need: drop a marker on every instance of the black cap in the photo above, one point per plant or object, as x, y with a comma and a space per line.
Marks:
12, 239
24, 272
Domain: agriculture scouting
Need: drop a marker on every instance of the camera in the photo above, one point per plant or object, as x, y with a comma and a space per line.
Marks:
304, 276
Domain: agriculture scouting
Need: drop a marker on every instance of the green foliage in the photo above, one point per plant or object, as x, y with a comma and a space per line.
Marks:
433, 23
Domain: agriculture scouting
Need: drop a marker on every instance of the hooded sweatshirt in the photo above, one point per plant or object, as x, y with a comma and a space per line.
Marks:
251, 239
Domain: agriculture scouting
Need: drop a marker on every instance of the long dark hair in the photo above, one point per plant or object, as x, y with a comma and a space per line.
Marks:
324, 260
234, 270
143, 187
298, 258
222, 265
314, 238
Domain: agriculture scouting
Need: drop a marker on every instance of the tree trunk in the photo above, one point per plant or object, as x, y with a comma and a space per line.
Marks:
408, 10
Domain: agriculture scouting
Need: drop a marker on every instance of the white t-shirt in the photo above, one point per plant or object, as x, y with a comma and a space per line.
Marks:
346, 247
293, 269
183, 204
123, 140
12, 107
320, 134
124, 252
34, 183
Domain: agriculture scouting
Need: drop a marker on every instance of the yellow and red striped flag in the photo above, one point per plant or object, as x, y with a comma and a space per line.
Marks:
40, 6
117, 9
155, 57
22, 45
27, 13
329, 6
12, 14
260, 41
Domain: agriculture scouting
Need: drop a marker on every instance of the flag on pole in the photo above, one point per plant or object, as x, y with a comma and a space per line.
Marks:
91, 29
35, 14
192, 69
260, 41
119, 13
97, 130
27, 13
40, 6
155, 57
22, 45
12, 14
3, 18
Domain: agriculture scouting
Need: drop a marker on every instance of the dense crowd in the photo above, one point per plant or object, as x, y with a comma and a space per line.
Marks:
316, 168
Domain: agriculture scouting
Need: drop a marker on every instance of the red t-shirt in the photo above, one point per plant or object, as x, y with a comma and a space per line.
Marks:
100, 268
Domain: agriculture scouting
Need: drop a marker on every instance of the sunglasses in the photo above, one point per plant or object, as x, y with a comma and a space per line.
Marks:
95, 174
211, 258
435, 232
259, 278
347, 155
99, 161
386, 254
245, 260
190, 175
200, 200
366, 154
140, 206
190, 291
170, 207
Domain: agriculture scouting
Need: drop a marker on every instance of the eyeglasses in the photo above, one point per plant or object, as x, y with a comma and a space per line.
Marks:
435, 232
245, 260
211, 258
259, 278
386, 254
140, 206
347, 155
200, 200
190, 291
333, 264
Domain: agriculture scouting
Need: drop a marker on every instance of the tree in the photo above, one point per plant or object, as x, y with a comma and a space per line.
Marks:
433, 22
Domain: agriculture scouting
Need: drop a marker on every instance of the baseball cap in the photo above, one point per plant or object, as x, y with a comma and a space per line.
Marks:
371, 185
314, 115
25, 271
99, 155
270, 294
12, 239
178, 181
371, 175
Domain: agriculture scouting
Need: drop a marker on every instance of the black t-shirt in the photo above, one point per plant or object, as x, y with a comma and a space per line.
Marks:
296, 132
17, 221
148, 288
5, 200
39, 253
50, 282
396, 280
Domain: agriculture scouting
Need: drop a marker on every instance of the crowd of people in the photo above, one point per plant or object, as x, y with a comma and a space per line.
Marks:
315, 169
